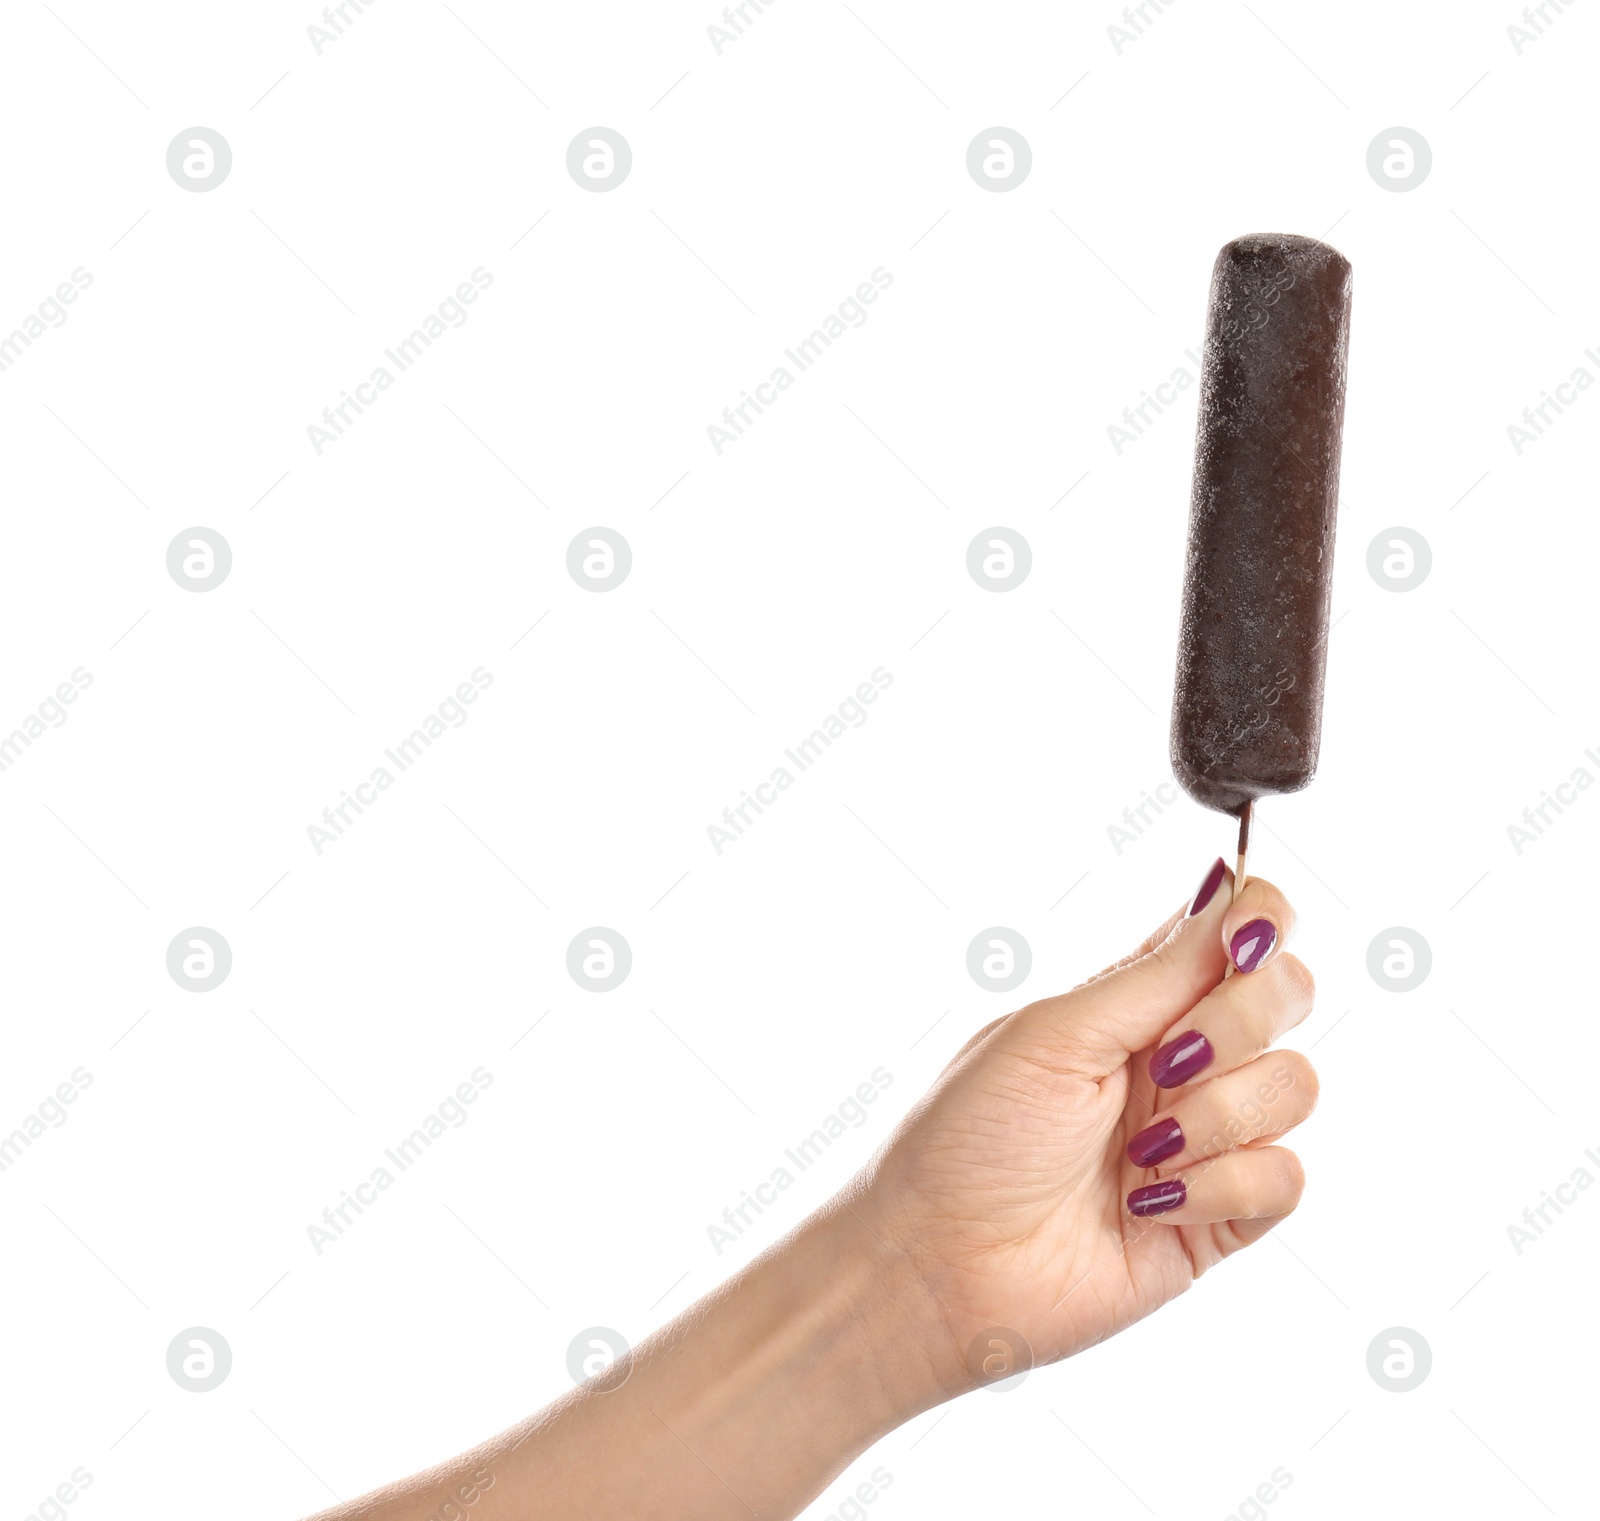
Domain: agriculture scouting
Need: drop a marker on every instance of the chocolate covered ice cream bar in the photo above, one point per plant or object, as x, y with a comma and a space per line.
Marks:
1252, 643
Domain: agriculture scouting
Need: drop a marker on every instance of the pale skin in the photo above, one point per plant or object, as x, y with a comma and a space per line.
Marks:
1001, 1201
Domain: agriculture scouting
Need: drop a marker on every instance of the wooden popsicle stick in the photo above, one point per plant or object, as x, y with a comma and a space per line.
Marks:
1238, 870
1244, 848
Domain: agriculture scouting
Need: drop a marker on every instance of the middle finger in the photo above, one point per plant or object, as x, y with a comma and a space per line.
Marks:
1234, 1023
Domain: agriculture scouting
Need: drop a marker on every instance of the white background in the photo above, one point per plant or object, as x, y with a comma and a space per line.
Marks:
767, 582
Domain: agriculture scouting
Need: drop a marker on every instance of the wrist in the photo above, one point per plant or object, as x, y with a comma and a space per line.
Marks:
871, 1328
809, 1355
754, 1399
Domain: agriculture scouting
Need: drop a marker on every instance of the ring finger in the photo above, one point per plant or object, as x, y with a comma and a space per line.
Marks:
1256, 1184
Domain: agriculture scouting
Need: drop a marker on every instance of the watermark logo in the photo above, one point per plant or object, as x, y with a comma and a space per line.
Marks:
867, 1492
600, 1358
65, 1493
599, 559
1224, 733
1136, 18
336, 18
1135, 820
52, 712
999, 559
450, 1114
199, 559
1553, 801
1399, 959
463, 1497
353, 802
51, 312
451, 312
199, 158
1399, 559
999, 159
1538, 19
51, 1114
736, 19
599, 959
851, 312
999, 959
199, 959
1254, 1506
1399, 158
599, 159
1536, 1217
1257, 312
199, 1359
1150, 406
850, 1114
1399, 1359
999, 1359
852, 712
1536, 419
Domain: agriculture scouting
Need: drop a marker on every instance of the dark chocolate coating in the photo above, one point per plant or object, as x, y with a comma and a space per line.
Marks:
1253, 640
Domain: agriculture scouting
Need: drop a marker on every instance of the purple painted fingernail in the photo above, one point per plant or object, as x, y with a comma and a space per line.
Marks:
1158, 1198
1251, 945
1155, 1144
1208, 888
1179, 1060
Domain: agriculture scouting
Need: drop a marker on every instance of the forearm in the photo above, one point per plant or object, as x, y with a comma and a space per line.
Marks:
749, 1402
1000, 1227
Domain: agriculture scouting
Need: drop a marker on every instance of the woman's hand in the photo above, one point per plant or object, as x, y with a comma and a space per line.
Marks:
1078, 1164
1082, 1161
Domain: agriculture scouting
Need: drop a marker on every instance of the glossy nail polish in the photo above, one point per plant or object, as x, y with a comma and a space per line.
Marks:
1251, 945
1208, 888
1179, 1060
1156, 1143
1158, 1198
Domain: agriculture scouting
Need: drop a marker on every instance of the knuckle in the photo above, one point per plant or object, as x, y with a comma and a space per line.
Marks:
1213, 1137
1160, 941
973, 1042
1159, 960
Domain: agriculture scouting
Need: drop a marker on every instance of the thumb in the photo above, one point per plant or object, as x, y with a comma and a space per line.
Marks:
1129, 1006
